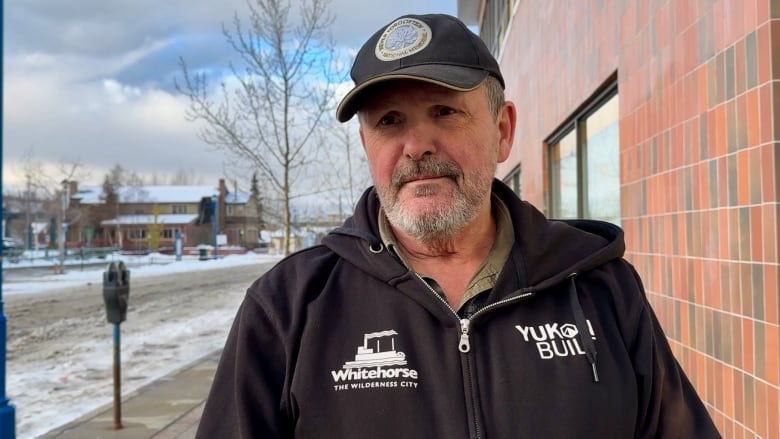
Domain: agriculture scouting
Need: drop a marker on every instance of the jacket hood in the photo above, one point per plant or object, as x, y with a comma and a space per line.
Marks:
548, 251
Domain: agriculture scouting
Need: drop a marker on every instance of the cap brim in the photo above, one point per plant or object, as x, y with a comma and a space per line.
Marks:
453, 77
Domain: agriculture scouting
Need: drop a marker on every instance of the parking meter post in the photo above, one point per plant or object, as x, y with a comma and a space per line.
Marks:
117, 380
116, 292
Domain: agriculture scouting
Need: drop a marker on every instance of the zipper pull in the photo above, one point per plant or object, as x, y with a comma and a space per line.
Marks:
464, 345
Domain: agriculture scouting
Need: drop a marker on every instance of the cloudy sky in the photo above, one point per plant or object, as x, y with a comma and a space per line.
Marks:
91, 81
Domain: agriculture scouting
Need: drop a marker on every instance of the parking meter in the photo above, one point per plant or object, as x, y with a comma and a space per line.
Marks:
116, 291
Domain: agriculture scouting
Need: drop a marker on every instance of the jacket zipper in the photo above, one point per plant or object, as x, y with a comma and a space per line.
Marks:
464, 344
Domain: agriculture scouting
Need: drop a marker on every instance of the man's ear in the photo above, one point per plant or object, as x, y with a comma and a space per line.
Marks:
507, 118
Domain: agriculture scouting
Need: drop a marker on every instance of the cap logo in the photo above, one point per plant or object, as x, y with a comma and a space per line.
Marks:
403, 37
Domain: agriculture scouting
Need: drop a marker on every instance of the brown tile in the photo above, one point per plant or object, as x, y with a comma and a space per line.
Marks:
757, 285
771, 214
751, 60
746, 289
737, 351
759, 339
740, 67
775, 47
742, 174
764, 53
756, 170
732, 179
744, 234
756, 234
771, 294
749, 399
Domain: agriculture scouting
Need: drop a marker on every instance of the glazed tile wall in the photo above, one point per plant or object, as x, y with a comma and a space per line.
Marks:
699, 93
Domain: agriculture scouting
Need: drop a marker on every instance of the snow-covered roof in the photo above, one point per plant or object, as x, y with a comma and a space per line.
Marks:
169, 219
149, 194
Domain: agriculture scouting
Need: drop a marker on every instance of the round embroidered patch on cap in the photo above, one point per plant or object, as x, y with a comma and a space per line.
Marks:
402, 37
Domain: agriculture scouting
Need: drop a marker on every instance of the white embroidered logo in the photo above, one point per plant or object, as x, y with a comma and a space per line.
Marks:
403, 37
372, 366
555, 340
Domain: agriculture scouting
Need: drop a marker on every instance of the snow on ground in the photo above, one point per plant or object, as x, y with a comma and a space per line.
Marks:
62, 370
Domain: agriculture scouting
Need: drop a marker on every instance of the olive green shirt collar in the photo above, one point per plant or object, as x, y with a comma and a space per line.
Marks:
487, 274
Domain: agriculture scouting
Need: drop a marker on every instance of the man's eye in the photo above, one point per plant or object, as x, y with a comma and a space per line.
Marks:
388, 119
444, 111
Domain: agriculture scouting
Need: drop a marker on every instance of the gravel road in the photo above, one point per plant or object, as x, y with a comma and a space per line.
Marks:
60, 346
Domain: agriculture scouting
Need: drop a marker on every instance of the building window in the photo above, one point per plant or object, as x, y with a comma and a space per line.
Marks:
584, 166
179, 208
136, 234
495, 23
513, 181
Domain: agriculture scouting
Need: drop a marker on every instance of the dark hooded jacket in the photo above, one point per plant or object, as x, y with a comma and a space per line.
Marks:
340, 340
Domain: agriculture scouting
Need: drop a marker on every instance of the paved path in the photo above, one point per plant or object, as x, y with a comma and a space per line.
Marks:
168, 408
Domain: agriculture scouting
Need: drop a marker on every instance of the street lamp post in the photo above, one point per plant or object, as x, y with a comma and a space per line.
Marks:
214, 220
7, 411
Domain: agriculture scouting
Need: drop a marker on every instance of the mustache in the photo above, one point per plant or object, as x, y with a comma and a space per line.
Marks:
425, 168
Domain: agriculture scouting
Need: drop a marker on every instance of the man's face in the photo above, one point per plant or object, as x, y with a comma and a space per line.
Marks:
432, 154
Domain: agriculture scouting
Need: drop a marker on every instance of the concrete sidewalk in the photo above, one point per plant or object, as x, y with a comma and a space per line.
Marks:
169, 408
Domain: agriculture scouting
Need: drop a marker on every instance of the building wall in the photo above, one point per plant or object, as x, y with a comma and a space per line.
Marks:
699, 97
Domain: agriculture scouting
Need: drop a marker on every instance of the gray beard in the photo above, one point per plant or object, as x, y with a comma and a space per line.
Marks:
437, 225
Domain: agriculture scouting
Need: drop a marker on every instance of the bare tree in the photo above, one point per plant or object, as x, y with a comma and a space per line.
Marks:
267, 115
54, 186
351, 175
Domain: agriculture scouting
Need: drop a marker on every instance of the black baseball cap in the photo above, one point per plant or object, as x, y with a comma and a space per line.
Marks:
435, 48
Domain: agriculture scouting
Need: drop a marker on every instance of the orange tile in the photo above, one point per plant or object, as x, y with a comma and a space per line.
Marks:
747, 345
770, 174
739, 396
765, 113
753, 111
773, 414
728, 392
772, 352
761, 409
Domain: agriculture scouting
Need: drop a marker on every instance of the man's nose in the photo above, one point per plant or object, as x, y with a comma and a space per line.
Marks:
419, 142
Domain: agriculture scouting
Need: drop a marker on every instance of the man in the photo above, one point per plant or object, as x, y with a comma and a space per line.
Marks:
445, 307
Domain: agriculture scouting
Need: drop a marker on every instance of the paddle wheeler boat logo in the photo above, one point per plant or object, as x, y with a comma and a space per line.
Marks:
377, 364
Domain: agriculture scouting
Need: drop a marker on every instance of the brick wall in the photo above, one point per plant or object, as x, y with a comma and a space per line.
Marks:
699, 96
